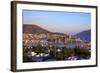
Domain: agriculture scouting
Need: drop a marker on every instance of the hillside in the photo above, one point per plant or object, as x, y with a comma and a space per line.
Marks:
32, 29
84, 35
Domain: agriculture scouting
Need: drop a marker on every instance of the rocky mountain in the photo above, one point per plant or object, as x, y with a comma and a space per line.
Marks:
32, 29
84, 35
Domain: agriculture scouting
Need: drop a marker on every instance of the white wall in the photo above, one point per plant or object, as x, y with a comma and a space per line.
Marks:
5, 37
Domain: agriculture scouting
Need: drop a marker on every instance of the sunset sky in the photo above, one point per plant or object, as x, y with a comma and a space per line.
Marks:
63, 22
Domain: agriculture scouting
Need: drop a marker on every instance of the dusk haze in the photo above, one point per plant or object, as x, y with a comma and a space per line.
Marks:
64, 22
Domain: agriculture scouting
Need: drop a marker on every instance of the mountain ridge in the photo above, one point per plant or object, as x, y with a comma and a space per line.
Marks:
84, 35
32, 28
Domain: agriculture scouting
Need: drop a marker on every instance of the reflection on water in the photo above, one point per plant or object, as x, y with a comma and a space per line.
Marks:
68, 45
73, 45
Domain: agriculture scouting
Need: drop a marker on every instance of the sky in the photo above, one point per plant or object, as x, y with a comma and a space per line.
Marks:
57, 21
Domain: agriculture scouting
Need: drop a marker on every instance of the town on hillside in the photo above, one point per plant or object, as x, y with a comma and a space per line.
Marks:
41, 47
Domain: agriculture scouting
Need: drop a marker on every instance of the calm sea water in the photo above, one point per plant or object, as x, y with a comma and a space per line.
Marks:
69, 45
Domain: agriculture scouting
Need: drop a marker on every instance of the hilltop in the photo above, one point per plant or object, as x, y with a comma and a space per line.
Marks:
84, 35
32, 29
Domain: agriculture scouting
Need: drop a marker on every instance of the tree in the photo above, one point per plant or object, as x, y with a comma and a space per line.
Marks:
82, 52
68, 52
60, 56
